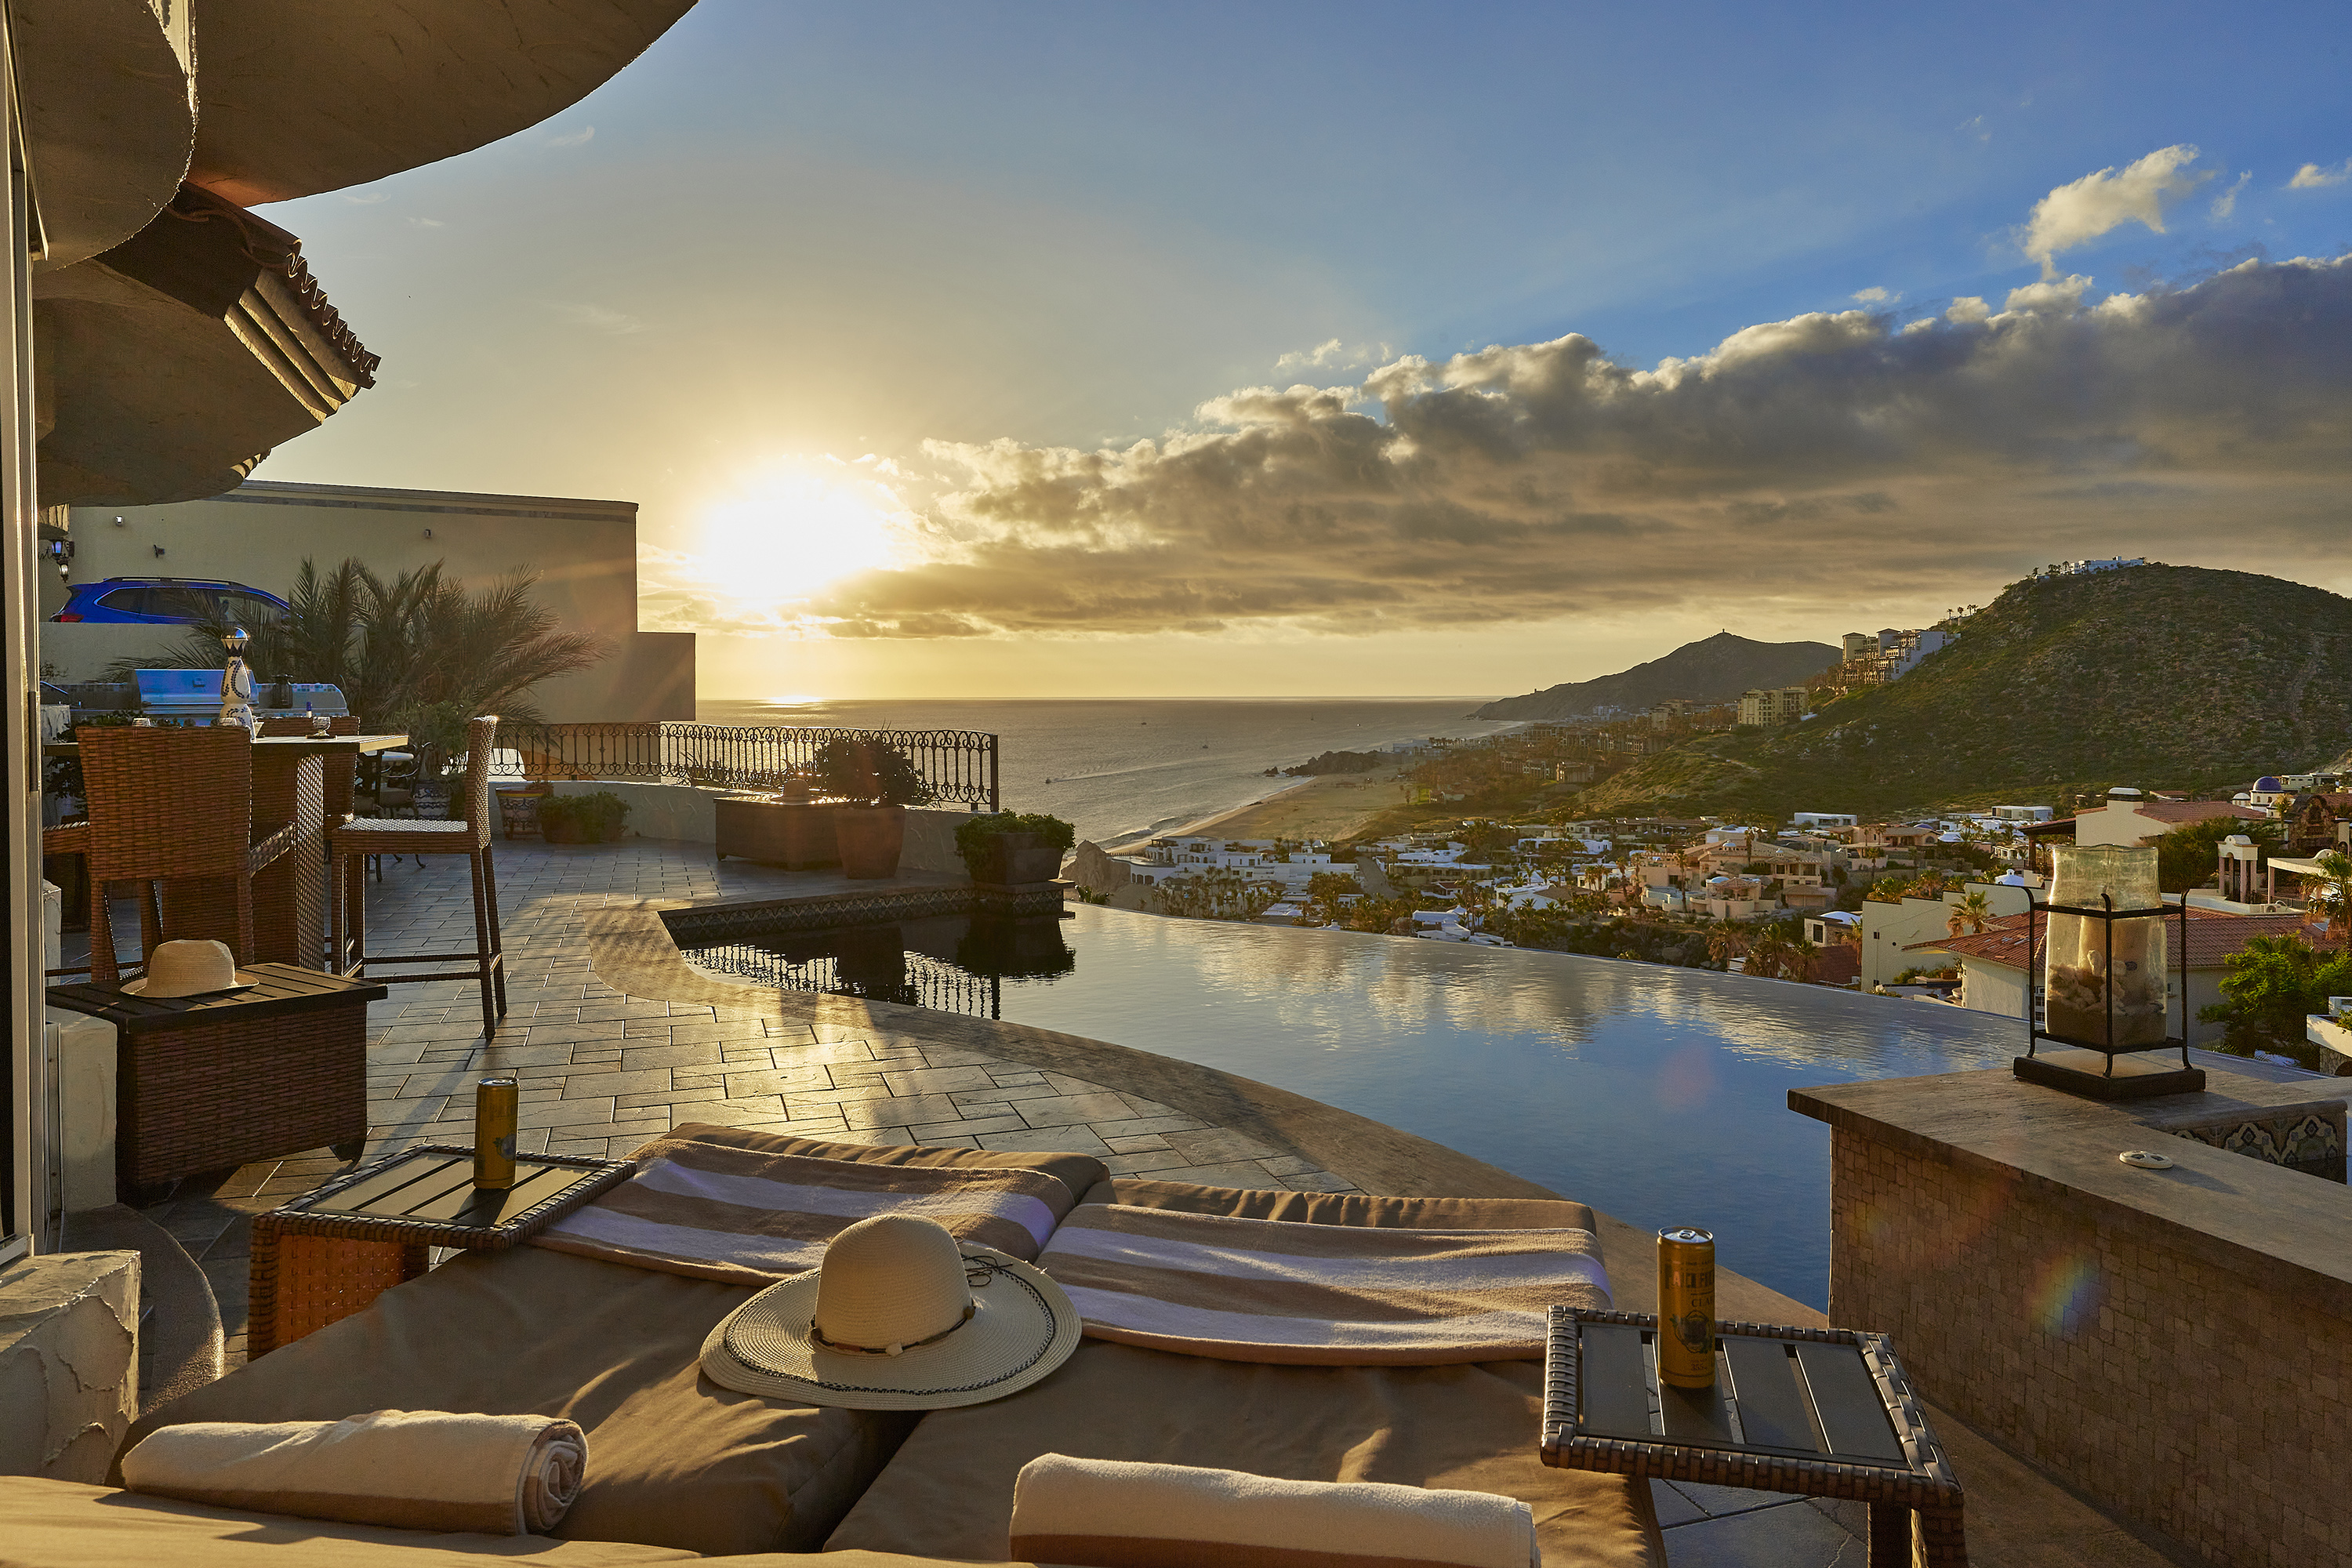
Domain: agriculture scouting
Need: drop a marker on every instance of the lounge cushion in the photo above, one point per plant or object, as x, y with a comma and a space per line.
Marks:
949, 1491
673, 1459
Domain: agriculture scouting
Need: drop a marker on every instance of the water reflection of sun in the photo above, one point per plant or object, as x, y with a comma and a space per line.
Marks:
796, 525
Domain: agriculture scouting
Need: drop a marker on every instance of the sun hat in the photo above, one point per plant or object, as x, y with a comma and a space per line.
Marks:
190, 969
901, 1316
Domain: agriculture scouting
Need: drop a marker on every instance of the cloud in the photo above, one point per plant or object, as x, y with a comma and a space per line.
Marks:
1815, 461
580, 137
596, 317
2312, 177
426, 223
1875, 295
2079, 213
2227, 202
1335, 355
369, 200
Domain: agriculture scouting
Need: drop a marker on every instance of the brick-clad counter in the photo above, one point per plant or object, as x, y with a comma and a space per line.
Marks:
2176, 1345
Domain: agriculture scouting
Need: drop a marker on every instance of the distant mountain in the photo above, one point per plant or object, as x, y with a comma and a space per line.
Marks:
2157, 676
1716, 670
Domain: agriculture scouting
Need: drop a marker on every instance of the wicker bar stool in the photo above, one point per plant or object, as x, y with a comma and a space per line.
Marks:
172, 810
349, 845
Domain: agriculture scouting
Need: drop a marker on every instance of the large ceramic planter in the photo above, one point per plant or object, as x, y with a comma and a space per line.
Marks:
1011, 859
794, 835
869, 838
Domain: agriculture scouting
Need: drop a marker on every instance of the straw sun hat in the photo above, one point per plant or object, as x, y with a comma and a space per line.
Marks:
190, 969
901, 1316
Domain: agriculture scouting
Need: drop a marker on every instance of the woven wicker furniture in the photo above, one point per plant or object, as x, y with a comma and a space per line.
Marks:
206, 1083
1818, 1412
351, 843
173, 810
330, 1254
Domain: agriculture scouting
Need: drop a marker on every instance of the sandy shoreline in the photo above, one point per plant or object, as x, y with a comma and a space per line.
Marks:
1330, 807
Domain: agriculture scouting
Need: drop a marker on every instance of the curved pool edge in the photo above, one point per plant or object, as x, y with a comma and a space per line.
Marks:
632, 951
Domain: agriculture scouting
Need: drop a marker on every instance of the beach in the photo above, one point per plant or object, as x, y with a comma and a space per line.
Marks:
1330, 808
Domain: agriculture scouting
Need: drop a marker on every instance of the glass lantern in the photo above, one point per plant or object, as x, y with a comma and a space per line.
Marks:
2104, 972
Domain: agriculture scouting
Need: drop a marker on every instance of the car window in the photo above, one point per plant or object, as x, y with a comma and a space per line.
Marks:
171, 599
249, 609
129, 601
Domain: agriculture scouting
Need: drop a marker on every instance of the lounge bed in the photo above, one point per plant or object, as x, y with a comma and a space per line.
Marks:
678, 1462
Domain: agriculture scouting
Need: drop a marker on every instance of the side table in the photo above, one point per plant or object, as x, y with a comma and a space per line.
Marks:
1818, 1412
330, 1253
213, 1081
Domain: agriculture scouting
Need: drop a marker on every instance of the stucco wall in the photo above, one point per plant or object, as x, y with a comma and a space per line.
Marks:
584, 553
685, 815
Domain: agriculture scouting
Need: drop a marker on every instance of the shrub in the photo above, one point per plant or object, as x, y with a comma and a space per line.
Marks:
869, 773
594, 818
973, 835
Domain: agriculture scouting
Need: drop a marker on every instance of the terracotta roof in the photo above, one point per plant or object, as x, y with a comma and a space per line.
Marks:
1837, 963
2178, 811
2213, 936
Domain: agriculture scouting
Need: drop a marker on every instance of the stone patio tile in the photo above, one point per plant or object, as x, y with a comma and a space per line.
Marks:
1287, 1165
760, 1109
635, 1058
1051, 1140
936, 1081
791, 1080
844, 1095
1132, 1145
1789, 1535
651, 1080
892, 1110
1217, 1146
906, 1135
1316, 1181
1149, 1124
1235, 1173
1162, 1162
934, 1132
566, 1033
789, 1053
499, 1053
1148, 1107
1003, 1093
940, 1055
565, 1113
1065, 1084
714, 1095
1065, 1109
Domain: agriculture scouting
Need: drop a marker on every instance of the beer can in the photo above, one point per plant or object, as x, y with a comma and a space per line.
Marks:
495, 1103
1686, 1307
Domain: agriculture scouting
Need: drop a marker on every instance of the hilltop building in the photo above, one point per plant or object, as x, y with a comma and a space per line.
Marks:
1778, 705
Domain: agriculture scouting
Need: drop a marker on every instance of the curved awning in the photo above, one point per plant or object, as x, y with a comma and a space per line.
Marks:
109, 114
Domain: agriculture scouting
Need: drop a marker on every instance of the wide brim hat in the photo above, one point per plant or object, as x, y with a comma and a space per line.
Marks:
190, 967
1022, 1327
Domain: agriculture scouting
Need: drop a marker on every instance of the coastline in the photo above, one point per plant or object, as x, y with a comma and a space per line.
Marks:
1330, 807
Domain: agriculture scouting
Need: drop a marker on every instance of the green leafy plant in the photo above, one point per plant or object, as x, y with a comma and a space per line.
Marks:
593, 818
2271, 984
971, 835
2187, 857
861, 772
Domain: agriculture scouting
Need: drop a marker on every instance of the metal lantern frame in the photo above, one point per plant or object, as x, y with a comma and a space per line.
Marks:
2106, 914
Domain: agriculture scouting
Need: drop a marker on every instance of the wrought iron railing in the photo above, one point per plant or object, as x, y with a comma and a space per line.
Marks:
922, 982
958, 765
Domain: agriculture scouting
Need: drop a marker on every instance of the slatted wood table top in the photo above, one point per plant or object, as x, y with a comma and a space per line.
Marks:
279, 989
429, 1189
1818, 1412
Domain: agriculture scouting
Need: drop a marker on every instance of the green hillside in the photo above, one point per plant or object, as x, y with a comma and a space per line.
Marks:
2160, 677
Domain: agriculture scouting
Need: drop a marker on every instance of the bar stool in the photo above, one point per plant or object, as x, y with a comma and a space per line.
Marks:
172, 810
364, 835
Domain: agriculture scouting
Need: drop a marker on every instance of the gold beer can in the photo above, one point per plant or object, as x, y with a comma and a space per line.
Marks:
496, 1102
1686, 1307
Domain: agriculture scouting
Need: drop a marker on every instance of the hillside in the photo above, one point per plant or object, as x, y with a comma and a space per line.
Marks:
1716, 670
2168, 677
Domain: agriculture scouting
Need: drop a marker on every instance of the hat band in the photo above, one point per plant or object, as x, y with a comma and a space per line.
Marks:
817, 1336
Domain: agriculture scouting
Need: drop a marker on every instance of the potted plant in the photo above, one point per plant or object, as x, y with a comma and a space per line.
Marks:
1005, 848
875, 783
593, 818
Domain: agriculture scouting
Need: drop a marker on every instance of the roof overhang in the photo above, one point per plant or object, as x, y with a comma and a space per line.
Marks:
170, 365
109, 115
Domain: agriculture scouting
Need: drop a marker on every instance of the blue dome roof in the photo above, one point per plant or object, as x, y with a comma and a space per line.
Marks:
2269, 785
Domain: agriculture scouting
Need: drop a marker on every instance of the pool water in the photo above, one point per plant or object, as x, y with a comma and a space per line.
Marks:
1657, 1094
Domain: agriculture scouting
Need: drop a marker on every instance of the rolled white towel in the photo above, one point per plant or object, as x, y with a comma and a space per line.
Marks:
416, 1469
1112, 1513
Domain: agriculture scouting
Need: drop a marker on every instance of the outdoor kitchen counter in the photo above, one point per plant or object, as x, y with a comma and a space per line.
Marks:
2167, 1343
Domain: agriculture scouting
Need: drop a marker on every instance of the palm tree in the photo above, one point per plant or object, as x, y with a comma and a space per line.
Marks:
1769, 956
1971, 915
2336, 892
420, 651
1726, 944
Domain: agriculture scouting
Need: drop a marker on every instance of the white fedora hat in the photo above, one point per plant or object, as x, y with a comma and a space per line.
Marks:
190, 969
901, 1316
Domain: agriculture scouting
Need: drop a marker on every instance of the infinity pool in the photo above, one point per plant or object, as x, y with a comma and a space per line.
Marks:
1654, 1093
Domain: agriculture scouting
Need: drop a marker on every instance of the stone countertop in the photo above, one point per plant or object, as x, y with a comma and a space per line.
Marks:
2279, 1229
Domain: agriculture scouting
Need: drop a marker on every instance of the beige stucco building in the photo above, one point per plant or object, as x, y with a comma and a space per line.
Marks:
584, 553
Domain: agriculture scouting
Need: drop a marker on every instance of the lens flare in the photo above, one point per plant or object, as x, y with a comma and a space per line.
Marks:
2068, 1291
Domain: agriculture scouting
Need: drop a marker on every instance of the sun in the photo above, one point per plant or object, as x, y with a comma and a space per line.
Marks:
795, 525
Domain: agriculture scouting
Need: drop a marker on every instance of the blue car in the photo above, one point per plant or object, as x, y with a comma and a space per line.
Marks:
171, 601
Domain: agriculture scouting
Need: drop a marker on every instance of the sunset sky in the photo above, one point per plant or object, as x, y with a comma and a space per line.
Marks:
1040, 351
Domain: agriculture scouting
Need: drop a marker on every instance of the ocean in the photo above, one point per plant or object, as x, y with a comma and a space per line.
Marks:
1121, 771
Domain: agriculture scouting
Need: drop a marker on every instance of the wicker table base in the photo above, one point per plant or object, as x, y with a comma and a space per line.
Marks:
1818, 1412
330, 1253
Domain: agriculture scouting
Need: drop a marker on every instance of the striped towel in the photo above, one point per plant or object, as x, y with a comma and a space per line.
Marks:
1278, 1291
751, 1218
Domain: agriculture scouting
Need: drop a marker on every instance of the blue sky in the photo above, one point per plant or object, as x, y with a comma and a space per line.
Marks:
795, 233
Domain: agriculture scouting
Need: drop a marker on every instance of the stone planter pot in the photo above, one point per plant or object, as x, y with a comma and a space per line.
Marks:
1010, 860
869, 838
